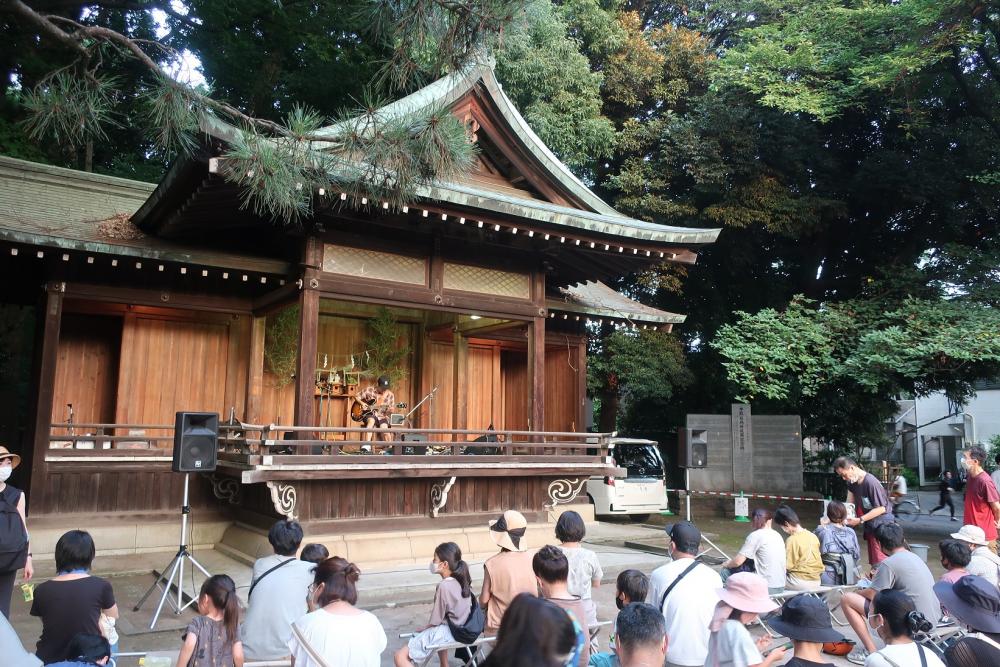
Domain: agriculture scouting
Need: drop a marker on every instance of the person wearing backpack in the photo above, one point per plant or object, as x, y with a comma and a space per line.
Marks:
14, 550
453, 601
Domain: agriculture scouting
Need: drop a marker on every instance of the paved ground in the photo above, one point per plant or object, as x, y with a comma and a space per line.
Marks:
401, 597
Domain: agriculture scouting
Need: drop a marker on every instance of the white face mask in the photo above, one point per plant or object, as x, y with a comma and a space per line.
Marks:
434, 567
5, 472
871, 627
966, 464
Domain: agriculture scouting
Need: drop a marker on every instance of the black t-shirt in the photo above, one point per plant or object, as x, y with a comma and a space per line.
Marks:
799, 662
67, 608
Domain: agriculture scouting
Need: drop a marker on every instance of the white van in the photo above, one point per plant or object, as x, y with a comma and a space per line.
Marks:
641, 492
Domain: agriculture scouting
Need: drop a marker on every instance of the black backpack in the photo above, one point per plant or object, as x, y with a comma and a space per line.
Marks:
13, 536
473, 626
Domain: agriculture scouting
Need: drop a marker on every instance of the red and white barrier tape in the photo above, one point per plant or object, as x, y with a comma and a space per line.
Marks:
729, 494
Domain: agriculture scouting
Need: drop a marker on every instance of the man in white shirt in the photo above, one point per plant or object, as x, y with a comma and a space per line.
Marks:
277, 596
685, 591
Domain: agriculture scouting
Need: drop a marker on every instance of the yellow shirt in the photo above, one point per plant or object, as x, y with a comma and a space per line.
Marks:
802, 555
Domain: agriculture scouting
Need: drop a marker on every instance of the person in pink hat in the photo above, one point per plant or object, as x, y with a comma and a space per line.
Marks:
740, 601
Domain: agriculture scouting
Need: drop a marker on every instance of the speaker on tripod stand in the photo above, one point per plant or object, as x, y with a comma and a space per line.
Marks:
196, 446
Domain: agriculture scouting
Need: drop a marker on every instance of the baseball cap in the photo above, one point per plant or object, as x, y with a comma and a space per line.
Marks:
685, 535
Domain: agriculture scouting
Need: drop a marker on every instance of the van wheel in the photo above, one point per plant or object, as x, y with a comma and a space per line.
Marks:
638, 518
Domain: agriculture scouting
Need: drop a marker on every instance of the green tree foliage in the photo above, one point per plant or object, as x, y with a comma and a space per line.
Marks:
386, 347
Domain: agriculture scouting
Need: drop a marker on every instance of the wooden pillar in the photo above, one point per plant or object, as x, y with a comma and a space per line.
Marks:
581, 385
460, 393
46, 376
305, 369
255, 371
536, 374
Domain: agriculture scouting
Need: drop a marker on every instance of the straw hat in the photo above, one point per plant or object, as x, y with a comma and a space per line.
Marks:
747, 591
15, 459
508, 531
972, 535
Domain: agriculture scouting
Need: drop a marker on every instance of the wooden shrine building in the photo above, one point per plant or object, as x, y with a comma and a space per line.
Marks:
128, 302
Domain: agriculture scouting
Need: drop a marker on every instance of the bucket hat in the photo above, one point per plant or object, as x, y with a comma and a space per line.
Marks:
15, 459
972, 600
972, 535
508, 531
804, 618
747, 591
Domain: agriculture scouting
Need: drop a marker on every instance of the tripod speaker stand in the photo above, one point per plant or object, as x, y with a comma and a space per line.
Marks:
176, 570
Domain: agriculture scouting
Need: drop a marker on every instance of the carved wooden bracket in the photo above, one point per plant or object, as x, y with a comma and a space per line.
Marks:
283, 497
439, 495
226, 488
563, 491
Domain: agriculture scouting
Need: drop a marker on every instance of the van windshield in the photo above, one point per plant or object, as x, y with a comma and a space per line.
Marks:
639, 460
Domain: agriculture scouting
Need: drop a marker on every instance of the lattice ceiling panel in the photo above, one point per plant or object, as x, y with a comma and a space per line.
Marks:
374, 264
486, 281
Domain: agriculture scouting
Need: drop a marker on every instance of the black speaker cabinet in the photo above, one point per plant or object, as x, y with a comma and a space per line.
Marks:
196, 441
693, 447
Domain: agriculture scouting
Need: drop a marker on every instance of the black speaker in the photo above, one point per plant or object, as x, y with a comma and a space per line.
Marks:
196, 441
693, 447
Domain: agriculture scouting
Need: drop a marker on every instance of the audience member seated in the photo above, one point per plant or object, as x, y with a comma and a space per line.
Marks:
212, 639
684, 590
901, 571
955, 557
335, 633
314, 553
895, 619
803, 561
552, 572
975, 603
585, 571
72, 602
642, 640
452, 600
630, 586
86, 651
806, 621
762, 552
277, 595
836, 541
983, 563
12, 649
744, 597
509, 573
534, 632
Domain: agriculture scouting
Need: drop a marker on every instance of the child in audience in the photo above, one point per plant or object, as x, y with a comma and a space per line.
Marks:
743, 597
631, 586
552, 572
452, 600
212, 639
86, 651
836, 538
955, 556
585, 571
314, 553
802, 555
806, 621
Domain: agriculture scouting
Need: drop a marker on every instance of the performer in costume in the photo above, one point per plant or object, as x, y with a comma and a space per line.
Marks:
380, 401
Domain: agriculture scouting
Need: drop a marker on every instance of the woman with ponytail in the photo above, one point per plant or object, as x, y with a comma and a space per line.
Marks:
895, 619
452, 600
335, 633
213, 639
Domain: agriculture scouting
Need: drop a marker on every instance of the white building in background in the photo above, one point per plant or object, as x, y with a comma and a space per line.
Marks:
930, 432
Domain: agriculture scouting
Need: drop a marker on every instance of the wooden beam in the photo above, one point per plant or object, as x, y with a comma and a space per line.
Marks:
581, 385
255, 371
536, 374
45, 390
460, 394
161, 298
308, 336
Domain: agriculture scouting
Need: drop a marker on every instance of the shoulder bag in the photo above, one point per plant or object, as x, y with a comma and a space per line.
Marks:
269, 571
676, 581
473, 626
313, 655
13, 536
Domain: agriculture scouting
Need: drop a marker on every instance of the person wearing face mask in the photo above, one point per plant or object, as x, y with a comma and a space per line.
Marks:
15, 552
982, 500
869, 497
452, 600
895, 619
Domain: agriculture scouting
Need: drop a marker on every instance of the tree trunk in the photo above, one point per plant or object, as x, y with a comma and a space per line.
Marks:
609, 410
88, 157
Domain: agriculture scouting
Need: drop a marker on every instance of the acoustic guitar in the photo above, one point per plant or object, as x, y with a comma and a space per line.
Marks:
361, 411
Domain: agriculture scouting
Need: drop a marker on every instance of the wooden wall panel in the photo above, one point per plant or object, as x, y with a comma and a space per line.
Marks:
277, 404
438, 372
167, 366
514, 376
561, 387
129, 488
87, 368
485, 403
